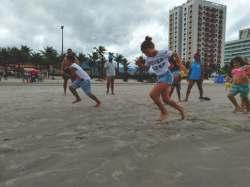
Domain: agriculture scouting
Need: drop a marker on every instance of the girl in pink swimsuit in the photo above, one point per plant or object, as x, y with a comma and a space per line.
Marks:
240, 84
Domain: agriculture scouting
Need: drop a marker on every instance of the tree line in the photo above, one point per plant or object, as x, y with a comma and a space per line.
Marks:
49, 57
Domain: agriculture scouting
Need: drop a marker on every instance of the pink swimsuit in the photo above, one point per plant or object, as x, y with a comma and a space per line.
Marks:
239, 72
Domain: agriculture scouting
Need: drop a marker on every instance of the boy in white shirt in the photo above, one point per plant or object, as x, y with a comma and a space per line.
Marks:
110, 73
80, 80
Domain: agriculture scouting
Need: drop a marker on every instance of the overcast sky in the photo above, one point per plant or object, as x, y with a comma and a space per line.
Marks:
119, 25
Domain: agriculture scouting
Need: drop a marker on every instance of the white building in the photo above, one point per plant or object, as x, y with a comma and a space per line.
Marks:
240, 47
175, 31
202, 25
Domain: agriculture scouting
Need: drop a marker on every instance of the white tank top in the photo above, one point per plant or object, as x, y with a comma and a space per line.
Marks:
80, 72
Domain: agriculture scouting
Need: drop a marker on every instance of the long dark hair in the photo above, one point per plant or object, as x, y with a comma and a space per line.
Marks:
236, 59
147, 44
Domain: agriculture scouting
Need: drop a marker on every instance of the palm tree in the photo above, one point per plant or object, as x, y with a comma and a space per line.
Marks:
118, 58
36, 58
93, 58
100, 51
125, 64
25, 54
82, 57
50, 58
14, 55
4, 55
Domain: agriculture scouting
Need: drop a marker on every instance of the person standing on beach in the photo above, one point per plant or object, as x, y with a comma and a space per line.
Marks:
80, 79
176, 67
195, 75
68, 60
160, 61
110, 74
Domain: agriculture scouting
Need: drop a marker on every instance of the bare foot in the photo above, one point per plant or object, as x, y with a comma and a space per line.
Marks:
238, 109
183, 116
76, 101
163, 117
97, 105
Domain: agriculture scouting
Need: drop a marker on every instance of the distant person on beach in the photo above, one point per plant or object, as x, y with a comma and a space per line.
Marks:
5, 73
176, 67
110, 73
68, 60
239, 72
195, 75
80, 79
160, 61
1, 73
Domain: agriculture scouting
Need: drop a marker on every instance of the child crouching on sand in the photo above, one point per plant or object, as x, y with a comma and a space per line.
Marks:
239, 73
160, 61
80, 80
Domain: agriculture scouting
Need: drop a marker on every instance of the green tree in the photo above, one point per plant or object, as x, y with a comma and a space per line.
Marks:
50, 58
25, 54
101, 60
36, 58
125, 64
82, 58
93, 58
118, 58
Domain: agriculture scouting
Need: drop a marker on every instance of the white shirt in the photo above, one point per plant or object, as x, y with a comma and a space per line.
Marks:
160, 62
110, 68
80, 72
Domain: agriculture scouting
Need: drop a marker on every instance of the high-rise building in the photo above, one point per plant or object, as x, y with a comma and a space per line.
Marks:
198, 25
175, 31
240, 47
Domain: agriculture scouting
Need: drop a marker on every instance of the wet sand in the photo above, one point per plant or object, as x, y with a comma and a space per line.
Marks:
45, 141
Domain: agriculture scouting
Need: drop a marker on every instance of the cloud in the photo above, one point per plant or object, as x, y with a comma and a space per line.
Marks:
117, 24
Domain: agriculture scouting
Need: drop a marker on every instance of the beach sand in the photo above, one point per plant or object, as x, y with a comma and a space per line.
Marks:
45, 141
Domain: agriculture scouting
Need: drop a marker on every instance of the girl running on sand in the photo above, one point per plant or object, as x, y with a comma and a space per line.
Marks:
239, 73
80, 79
159, 61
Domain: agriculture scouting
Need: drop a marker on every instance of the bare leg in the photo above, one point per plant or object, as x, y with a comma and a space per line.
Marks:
108, 85
167, 100
246, 103
234, 102
155, 96
190, 85
172, 91
112, 85
74, 92
178, 89
65, 82
199, 84
93, 97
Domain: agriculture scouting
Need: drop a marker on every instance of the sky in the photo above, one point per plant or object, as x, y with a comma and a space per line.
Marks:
119, 25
